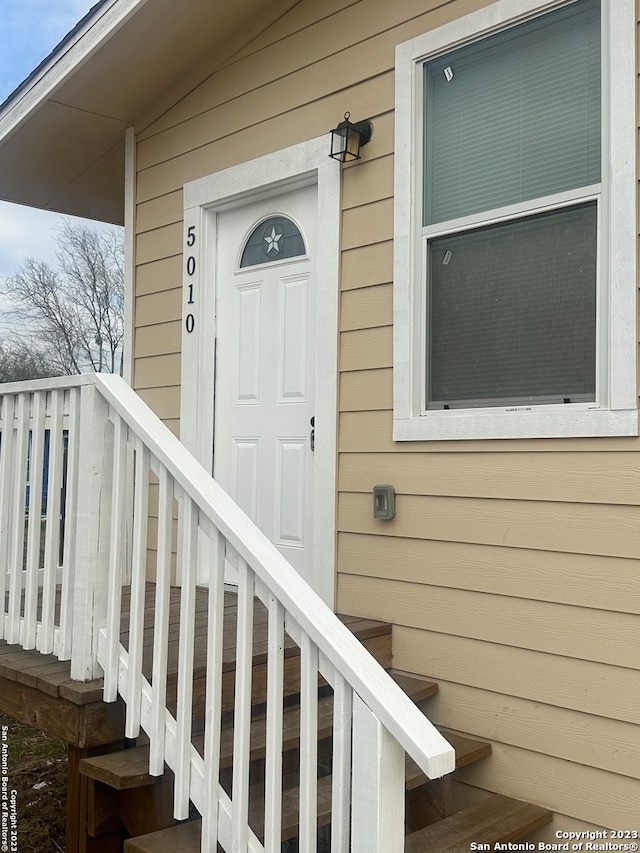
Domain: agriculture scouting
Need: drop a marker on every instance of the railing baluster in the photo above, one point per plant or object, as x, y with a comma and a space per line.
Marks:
161, 624
308, 744
18, 526
114, 600
7, 501
138, 583
187, 562
34, 523
215, 647
52, 528
69, 544
242, 715
273, 763
341, 766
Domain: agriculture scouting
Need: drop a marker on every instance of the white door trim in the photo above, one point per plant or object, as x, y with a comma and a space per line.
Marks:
304, 164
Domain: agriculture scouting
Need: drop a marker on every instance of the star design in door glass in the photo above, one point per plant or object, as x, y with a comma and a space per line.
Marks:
272, 241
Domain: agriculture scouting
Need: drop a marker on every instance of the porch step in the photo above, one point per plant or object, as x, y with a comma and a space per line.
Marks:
416, 689
128, 768
373, 635
429, 823
467, 751
497, 819
182, 838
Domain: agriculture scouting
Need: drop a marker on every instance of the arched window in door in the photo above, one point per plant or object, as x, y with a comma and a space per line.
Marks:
274, 239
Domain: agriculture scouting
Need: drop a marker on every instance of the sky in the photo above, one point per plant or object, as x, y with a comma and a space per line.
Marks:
29, 30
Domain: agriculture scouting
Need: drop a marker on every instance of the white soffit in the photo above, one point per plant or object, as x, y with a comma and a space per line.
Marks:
62, 130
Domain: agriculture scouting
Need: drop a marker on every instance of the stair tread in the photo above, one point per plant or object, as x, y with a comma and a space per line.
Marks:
182, 838
489, 821
467, 751
127, 768
417, 689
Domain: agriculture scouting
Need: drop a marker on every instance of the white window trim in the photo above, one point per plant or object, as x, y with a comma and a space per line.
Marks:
616, 413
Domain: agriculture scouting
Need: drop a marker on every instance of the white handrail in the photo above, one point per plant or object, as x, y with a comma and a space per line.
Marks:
390, 704
116, 429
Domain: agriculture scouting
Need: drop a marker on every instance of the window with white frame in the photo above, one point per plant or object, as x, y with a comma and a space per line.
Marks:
515, 261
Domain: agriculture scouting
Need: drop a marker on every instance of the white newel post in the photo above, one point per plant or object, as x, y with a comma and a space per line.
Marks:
92, 518
377, 809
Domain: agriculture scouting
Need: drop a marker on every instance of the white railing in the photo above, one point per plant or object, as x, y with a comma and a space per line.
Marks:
128, 481
39, 462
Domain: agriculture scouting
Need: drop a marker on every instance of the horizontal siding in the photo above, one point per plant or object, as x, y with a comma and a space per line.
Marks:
371, 432
599, 636
367, 224
259, 137
159, 307
611, 745
367, 265
366, 348
160, 243
367, 307
160, 211
541, 525
578, 478
158, 339
575, 790
164, 401
512, 568
339, 51
586, 686
364, 390
592, 581
156, 372
159, 275
363, 186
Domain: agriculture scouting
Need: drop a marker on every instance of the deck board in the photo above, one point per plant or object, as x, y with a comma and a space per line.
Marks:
48, 675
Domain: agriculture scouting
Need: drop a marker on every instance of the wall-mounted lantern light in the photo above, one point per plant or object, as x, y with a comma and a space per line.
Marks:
348, 138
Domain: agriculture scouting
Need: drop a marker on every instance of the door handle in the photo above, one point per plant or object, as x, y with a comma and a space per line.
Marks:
312, 435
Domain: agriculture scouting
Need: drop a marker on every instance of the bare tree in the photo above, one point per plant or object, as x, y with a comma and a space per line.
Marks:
75, 311
21, 360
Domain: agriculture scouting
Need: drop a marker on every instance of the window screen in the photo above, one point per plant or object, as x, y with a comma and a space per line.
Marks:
513, 312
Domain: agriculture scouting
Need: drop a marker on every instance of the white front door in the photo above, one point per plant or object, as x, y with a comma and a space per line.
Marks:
265, 352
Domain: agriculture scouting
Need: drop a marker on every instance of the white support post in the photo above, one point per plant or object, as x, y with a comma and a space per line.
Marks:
93, 511
377, 812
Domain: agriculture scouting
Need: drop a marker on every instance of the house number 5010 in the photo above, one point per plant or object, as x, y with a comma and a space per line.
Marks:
190, 320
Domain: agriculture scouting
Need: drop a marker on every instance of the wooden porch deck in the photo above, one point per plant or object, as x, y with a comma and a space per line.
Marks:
36, 689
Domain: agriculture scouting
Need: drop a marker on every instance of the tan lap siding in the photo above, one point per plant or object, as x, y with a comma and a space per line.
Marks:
511, 570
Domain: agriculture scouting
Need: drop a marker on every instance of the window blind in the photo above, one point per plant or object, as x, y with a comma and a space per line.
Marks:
512, 312
514, 117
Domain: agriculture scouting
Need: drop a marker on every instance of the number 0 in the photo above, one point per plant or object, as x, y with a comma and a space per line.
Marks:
190, 323
191, 265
